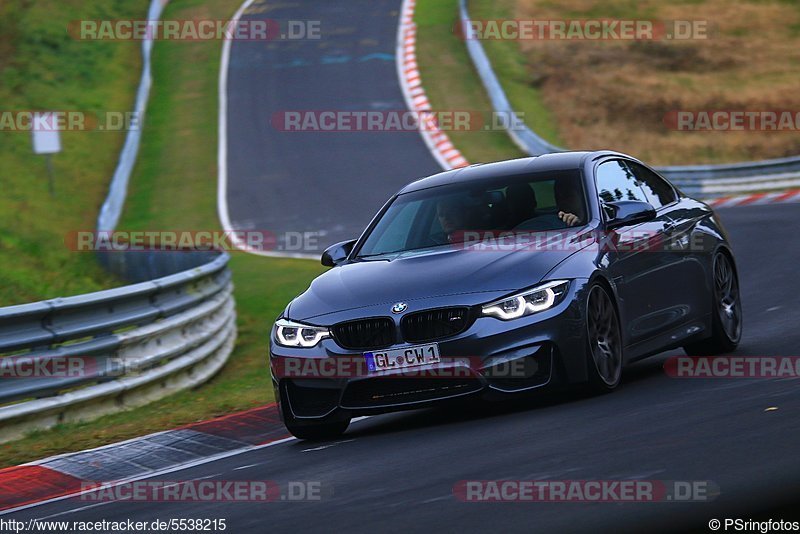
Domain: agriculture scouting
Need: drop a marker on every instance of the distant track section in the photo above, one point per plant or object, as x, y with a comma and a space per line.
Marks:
327, 184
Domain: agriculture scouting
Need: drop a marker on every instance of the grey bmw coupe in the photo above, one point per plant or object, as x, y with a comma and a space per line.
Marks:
500, 279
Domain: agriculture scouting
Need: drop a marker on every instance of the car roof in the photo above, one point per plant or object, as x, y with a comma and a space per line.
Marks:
543, 163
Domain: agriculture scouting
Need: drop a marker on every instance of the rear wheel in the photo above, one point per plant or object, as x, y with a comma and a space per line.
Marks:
605, 341
726, 320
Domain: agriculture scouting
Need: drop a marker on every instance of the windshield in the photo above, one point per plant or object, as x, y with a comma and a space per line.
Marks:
456, 213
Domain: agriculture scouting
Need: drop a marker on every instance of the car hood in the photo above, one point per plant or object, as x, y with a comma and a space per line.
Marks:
476, 275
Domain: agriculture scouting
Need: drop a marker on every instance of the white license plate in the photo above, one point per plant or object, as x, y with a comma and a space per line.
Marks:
385, 360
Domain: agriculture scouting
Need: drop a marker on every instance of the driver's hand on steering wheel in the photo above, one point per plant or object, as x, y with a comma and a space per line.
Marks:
570, 219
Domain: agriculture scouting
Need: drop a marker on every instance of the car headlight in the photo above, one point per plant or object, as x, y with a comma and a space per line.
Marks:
291, 334
534, 300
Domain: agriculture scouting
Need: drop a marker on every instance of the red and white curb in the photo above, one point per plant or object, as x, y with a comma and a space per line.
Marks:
143, 457
438, 142
756, 199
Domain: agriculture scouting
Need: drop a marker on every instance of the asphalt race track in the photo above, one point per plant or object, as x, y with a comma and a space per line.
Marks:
328, 183
397, 472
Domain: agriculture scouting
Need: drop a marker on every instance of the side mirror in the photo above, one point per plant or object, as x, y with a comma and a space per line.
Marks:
336, 254
628, 212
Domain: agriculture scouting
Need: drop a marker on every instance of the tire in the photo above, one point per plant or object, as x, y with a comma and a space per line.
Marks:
604, 349
726, 315
318, 431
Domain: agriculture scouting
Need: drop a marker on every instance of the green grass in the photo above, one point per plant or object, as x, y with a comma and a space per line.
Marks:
614, 94
451, 83
511, 69
174, 188
43, 68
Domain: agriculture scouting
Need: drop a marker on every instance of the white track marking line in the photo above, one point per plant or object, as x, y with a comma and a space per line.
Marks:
327, 446
222, 154
405, 61
248, 466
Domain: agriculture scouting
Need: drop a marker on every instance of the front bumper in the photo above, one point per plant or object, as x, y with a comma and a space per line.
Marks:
492, 358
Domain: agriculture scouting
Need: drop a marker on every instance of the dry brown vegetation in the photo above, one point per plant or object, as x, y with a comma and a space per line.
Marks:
614, 94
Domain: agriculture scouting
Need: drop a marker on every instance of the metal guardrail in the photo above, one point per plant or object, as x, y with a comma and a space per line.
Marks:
704, 180
92, 354
125, 346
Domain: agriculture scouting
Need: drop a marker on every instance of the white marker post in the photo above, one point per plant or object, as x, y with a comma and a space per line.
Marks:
46, 141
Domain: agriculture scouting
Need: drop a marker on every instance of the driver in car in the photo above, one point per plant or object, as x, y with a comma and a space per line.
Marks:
451, 215
569, 206
568, 200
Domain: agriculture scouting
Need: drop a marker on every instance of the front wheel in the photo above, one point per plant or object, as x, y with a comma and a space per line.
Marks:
605, 341
726, 321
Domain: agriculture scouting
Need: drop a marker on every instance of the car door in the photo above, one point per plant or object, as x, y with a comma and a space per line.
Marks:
677, 219
638, 270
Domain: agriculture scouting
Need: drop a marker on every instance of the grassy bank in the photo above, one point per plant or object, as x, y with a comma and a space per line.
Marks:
43, 68
621, 94
450, 80
174, 188
617, 93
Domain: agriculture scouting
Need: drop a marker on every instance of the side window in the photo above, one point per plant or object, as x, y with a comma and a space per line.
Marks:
615, 181
659, 192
